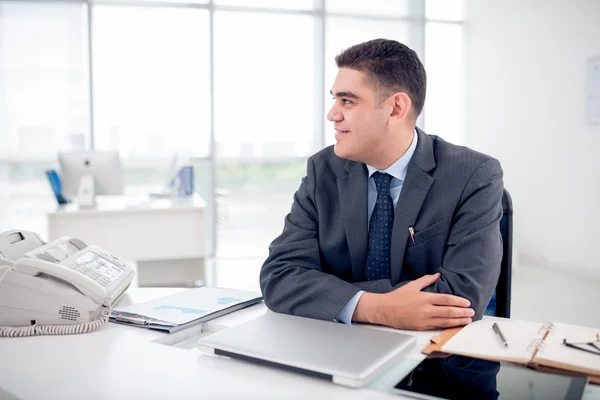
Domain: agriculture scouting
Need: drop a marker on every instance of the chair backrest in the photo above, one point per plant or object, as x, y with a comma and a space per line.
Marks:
500, 304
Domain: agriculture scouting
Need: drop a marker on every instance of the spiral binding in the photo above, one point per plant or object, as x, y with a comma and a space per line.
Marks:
35, 330
546, 329
540, 343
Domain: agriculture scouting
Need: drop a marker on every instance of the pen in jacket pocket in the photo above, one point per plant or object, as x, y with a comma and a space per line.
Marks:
411, 230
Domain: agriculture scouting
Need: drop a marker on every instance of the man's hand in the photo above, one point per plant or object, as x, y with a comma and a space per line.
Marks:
409, 308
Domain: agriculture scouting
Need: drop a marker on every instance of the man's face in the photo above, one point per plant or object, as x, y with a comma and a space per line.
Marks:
358, 119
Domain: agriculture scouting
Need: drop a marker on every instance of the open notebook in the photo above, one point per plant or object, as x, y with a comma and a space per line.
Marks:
529, 343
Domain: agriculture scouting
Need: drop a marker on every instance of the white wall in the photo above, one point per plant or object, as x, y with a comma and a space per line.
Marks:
526, 63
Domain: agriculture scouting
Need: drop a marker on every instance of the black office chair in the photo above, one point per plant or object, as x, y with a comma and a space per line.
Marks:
500, 304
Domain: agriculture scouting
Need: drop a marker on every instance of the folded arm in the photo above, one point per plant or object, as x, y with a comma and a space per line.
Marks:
292, 280
471, 264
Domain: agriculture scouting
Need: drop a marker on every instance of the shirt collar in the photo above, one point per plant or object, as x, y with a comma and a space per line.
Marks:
398, 169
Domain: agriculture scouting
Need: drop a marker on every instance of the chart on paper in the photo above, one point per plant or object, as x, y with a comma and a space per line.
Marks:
190, 305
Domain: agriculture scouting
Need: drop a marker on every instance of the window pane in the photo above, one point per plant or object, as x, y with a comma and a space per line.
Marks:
345, 32
389, 8
264, 85
43, 79
253, 199
450, 10
264, 121
44, 103
287, 4
444, 106
151, 86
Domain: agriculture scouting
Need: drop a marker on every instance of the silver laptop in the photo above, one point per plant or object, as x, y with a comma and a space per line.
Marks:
349, 355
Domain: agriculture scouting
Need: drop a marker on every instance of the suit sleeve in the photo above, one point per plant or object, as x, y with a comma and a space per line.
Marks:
291, 279
471, 265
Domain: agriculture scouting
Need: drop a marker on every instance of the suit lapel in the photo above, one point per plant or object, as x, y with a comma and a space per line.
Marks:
353, 202
414, 190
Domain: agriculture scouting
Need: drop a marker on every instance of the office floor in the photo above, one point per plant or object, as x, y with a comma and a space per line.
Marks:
538, 294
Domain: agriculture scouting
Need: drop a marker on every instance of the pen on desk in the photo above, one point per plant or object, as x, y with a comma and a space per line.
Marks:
411, 230
498, 332
132, 319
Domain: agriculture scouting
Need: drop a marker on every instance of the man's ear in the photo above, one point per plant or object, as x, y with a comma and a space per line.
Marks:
401, 106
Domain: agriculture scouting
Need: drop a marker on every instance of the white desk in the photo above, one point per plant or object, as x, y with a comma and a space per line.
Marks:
166, 237
120, 362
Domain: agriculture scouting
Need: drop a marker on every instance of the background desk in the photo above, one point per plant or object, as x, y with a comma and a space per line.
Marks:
166, 237
121, 362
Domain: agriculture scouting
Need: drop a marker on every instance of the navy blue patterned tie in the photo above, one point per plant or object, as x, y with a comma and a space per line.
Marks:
380, 232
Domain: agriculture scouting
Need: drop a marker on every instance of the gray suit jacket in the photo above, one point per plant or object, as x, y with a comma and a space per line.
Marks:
452, 196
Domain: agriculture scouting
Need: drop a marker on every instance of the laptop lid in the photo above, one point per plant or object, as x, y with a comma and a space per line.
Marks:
349, 355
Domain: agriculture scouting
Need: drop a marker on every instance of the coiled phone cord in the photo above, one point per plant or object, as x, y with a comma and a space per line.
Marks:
35, 330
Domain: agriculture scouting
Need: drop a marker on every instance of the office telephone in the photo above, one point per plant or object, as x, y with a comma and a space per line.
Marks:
57, 288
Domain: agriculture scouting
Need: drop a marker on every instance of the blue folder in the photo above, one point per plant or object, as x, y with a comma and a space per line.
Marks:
54, 180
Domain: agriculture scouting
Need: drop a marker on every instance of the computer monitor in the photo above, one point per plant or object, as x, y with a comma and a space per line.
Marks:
104, 166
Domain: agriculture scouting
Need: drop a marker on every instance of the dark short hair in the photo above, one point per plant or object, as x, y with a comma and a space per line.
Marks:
391, 66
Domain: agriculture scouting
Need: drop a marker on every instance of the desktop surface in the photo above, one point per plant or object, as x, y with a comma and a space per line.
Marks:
120, 362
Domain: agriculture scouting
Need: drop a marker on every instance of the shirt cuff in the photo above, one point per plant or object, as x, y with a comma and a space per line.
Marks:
347, 312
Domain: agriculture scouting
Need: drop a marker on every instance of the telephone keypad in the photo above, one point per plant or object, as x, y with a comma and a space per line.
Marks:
102, 270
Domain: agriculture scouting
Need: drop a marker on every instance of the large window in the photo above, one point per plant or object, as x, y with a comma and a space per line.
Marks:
393, 8
264, 123
239, 86
44, 102
151, 86
264, 85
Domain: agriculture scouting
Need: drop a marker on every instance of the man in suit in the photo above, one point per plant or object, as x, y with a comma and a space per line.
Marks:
390, 225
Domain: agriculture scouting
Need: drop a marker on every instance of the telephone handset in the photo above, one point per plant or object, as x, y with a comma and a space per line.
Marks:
61, 287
